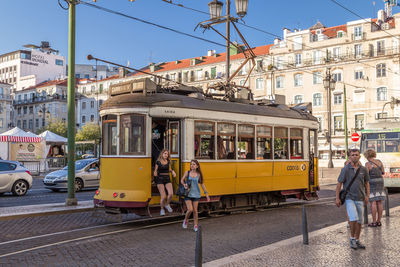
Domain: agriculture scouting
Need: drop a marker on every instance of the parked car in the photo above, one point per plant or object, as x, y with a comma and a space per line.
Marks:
87, 174
14, 177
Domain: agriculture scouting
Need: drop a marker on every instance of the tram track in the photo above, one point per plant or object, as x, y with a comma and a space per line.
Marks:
28, 244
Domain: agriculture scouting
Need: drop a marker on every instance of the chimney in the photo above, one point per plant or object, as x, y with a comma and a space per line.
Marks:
285, 32
121, 72
381, 15
276, 41
210, 53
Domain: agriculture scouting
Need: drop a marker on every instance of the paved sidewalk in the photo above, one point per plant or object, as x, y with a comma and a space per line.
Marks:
44, 209
328, 247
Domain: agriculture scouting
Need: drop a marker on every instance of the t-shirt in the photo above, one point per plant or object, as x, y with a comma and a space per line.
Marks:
163, 170
357, 189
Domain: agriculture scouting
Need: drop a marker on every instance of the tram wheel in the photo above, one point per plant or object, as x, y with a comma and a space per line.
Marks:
78, 184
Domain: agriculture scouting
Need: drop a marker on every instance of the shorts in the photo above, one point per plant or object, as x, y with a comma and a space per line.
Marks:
193, 199
162, 180
355, 210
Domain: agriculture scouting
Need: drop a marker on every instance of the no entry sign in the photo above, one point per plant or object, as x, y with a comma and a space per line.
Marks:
355, 137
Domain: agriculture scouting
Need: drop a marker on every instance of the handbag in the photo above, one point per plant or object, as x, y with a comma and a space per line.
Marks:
343, 192
182, 191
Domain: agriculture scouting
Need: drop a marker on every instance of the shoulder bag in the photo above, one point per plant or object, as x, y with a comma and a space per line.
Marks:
182, 192
343, 192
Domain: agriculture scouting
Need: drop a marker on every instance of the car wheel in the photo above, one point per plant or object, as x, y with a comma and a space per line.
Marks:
78, 184
20, 188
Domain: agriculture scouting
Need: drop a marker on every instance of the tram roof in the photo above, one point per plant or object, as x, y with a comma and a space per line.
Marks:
183, 101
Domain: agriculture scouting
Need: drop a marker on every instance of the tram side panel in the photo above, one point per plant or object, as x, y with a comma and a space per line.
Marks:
128, 182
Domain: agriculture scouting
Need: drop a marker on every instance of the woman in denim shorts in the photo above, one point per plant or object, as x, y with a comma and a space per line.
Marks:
192, 179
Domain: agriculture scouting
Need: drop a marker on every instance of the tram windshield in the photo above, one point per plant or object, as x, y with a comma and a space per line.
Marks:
382, 142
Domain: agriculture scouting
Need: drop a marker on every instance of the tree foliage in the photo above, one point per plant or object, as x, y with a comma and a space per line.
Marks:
56, 126
89, 132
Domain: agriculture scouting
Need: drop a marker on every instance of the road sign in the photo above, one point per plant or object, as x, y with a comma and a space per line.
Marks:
355, 137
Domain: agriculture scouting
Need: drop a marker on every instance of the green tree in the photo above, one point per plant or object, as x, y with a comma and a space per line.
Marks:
89, 132
56, 126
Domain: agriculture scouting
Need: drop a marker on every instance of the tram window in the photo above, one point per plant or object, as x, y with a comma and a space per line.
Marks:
132, 134
296, 143
173, 137
391, 146
264, 141
226, 141
109, 123
246, 142
280, 143
371, 144
204, 140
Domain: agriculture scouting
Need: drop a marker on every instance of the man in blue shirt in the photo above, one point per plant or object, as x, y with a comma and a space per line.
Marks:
356, 197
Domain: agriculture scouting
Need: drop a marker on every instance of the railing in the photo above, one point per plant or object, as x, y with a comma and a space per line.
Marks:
32, 166
56, 163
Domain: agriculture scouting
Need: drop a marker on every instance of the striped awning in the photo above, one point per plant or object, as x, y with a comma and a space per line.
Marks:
20, 139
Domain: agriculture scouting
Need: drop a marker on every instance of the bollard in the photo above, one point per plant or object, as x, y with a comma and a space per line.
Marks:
387, 202
199, 249
365, 213
305, 227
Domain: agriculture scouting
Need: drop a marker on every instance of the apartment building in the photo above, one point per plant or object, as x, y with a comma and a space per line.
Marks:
35, 107
5, 107
84, 71
28, 67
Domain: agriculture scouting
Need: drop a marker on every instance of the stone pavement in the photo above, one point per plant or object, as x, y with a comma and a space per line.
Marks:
328, 247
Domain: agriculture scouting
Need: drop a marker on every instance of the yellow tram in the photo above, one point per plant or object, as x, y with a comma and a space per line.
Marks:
250, 154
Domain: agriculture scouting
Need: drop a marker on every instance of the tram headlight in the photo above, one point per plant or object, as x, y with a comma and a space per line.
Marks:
97, 192
115, 194
122, 195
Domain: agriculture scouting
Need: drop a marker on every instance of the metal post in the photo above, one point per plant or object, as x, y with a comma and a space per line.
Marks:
199, 249
365, 213
387, 202
228, 34
71, 200
305, 226
330, 163
345, 122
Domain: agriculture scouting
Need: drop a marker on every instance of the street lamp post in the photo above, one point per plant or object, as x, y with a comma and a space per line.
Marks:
329, 84
215, 8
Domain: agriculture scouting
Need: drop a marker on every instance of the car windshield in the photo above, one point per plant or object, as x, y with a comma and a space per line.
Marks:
80, 164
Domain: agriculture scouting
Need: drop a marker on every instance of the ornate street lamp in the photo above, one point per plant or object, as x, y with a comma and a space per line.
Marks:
241, 7
329, 84
215, 9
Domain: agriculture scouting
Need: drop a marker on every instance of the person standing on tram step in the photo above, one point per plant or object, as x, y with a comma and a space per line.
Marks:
161, 177
357, 196
377, 192
192, 179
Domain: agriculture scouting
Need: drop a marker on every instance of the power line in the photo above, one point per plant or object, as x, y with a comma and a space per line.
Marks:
149, 23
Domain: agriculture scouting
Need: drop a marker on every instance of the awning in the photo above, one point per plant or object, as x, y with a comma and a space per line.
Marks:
20, 139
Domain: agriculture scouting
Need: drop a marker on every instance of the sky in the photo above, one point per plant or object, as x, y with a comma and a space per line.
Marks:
122, 40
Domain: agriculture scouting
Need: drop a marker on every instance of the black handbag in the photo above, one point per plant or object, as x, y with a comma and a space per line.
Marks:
182, 192
343, 192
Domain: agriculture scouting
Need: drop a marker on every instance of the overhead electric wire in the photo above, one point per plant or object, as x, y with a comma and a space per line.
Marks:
148, 22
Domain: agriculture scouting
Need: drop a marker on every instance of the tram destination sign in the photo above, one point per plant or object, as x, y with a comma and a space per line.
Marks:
141, 85
382, 136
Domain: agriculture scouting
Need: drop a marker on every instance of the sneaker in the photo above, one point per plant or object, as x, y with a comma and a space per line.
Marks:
359, 245
169, 209
162, 212
353, 244
195, 228
184, 224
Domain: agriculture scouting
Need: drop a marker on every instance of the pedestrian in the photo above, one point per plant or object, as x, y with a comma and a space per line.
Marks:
377, 193
356, 197
161, 177
191, 180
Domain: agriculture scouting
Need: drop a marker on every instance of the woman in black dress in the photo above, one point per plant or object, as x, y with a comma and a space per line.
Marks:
161, 176
377, 193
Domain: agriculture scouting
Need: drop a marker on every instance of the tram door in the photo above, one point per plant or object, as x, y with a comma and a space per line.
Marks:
165, 135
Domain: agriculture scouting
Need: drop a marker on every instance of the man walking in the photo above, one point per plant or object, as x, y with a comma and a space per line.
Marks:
356, 197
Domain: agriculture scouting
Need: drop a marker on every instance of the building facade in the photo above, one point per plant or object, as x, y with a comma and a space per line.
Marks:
5, 107
26, 68
83, 71
35, 107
